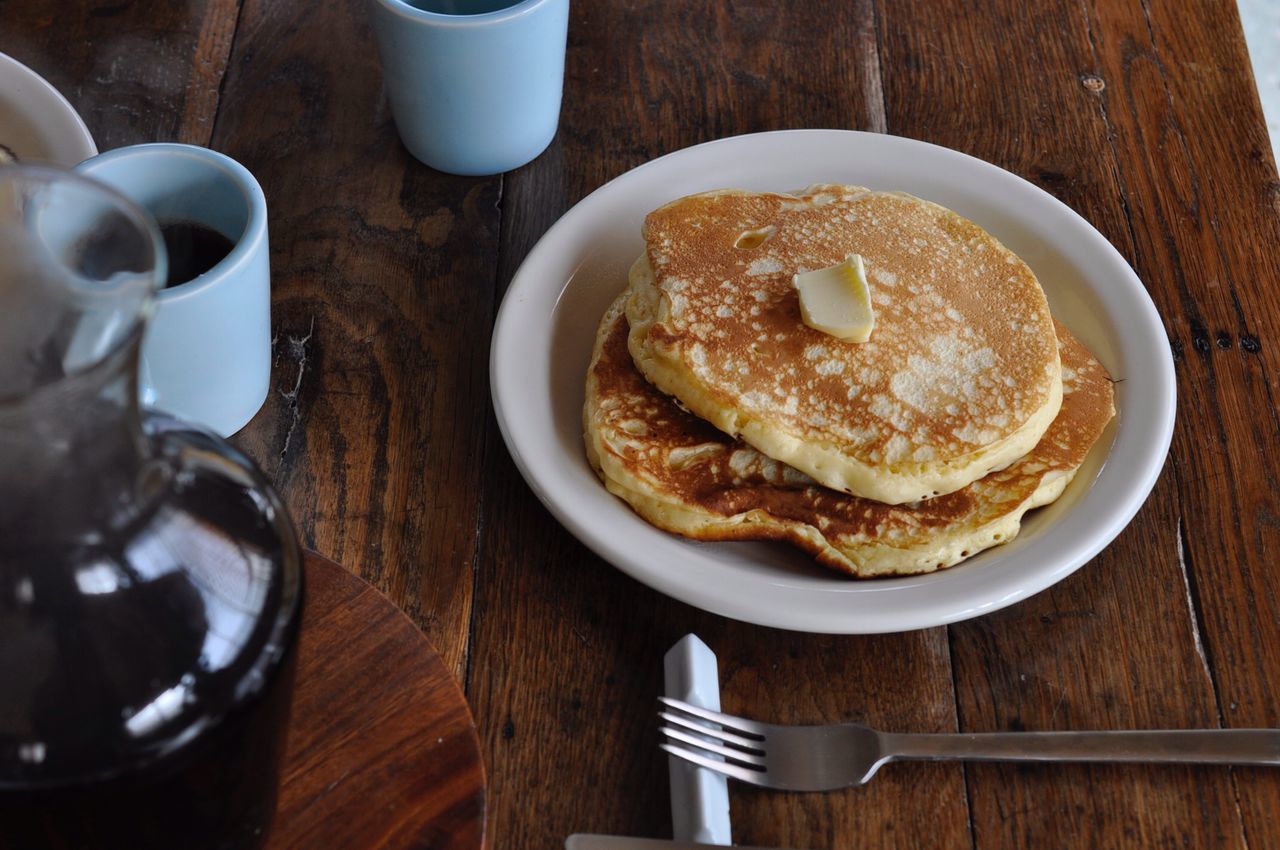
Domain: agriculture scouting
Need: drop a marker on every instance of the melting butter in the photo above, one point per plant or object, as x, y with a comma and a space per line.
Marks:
837, 300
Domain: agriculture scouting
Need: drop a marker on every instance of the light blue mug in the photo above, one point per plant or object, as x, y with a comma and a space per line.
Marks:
206, 355
475, 85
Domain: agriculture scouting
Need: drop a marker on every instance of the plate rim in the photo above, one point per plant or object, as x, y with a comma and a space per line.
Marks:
1118, 516
77, 120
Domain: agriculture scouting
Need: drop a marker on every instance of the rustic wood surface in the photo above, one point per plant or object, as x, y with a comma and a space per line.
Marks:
382, 751
1140, 114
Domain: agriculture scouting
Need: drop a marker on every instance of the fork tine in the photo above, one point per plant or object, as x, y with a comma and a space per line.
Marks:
736, 724
742, 774
752, 744
727, 752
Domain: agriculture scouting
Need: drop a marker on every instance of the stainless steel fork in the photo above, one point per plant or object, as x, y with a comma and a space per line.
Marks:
821, 758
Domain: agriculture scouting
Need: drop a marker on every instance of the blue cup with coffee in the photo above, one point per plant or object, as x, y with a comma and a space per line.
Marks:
206, 356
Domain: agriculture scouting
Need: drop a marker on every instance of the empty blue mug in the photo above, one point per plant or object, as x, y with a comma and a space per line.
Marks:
475, 85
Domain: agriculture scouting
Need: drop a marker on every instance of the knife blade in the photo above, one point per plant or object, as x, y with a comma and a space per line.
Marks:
585, 841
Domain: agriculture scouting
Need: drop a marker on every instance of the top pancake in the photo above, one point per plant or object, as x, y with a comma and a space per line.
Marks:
960, 377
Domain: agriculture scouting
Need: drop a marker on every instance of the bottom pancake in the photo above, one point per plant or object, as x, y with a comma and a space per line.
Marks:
685, 476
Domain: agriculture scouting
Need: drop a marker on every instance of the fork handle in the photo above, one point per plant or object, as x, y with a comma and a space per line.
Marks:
1198, 746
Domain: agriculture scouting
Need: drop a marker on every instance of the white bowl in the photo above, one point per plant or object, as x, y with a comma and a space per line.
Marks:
36, 121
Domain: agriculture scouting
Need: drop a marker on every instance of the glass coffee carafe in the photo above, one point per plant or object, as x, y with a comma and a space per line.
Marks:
150, 579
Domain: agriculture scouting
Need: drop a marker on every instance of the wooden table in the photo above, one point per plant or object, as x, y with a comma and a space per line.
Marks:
1140, 114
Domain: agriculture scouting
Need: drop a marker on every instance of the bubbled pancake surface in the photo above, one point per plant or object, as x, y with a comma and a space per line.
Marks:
685, 476
961, 375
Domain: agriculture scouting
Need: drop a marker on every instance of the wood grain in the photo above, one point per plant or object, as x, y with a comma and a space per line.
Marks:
382, 279
1192, 135
135, 71
382, 751
1117, 645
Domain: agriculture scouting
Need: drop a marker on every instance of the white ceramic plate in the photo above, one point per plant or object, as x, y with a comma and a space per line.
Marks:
545, 329
36, 122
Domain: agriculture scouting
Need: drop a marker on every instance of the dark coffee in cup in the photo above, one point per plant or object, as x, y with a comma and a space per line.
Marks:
193, 249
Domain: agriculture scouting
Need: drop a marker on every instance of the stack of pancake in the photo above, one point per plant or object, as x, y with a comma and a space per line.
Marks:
718, 414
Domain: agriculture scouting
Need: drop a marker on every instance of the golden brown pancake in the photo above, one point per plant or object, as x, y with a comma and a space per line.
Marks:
960, 377
685, 476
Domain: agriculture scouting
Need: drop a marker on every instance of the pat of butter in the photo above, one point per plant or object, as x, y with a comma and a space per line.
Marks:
837, 301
